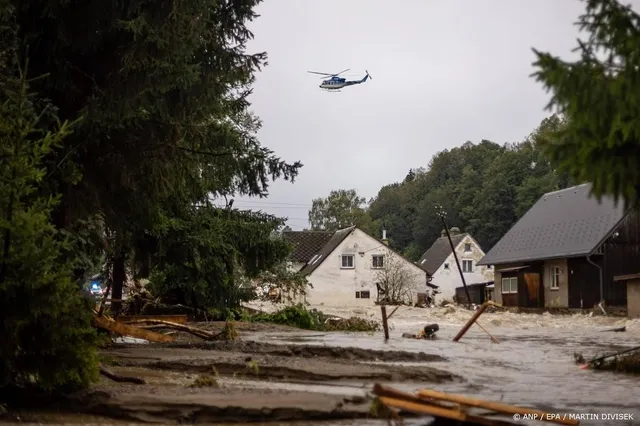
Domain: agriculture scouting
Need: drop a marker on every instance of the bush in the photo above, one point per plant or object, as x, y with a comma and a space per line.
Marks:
299, 316
46, 338
295, 316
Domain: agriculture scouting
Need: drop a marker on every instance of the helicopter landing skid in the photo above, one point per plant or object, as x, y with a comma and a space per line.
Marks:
332, 90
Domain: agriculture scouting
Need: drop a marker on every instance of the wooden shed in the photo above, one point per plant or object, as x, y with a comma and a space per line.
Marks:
633, 293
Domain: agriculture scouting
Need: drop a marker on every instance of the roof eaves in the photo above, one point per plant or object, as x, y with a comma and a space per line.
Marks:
566, 255
611, 231
308, 269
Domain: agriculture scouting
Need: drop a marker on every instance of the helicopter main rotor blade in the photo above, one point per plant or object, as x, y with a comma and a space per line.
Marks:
341, 72
320, 73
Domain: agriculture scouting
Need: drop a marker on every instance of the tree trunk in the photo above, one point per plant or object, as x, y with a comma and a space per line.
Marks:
145, 269
119, 276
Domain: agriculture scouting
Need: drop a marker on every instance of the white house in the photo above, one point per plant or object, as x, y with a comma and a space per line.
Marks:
441, 264
352, 266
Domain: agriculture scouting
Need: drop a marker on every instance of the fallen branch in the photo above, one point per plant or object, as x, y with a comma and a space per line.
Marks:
178, 319
392, 312
599, 362
129, 330
155, 306
120, 379
198, 332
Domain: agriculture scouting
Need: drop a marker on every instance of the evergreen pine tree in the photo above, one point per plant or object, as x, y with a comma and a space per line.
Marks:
46, 337
598, 94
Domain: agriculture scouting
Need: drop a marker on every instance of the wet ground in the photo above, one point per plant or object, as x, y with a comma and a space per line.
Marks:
278, 373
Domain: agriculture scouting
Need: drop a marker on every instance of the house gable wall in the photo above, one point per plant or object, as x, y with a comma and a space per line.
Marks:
447, 279
334, 286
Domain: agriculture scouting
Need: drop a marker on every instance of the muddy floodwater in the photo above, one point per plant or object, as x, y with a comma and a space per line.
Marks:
532, 365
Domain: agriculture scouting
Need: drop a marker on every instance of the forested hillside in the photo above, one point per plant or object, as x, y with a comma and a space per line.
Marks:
484, 187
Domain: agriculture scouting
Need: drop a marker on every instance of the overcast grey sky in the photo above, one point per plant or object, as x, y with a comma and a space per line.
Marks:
444, 72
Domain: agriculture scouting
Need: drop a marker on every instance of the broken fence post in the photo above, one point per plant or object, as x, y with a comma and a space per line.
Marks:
473, 319
385, 325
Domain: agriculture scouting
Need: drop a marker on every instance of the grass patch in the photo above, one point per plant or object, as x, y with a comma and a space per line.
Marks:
229, 331
312, 319
205, 381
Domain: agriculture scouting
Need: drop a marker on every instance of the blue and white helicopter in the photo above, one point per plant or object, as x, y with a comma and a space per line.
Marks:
335, 83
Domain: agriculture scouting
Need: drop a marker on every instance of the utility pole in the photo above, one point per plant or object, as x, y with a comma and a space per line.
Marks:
442, 214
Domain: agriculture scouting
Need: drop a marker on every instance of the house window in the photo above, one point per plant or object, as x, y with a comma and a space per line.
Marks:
363, 294
377, 261
348, 261
446, 266
467, 247
555, 278
467, 266
510, 285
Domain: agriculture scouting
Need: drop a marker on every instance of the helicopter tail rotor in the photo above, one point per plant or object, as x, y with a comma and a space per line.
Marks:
369, 74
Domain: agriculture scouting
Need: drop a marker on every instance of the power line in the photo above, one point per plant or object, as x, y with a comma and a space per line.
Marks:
263, 206
272, 202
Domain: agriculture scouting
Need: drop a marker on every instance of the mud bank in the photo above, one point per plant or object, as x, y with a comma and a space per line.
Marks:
236, 382
162, 405
260, 361
311, 351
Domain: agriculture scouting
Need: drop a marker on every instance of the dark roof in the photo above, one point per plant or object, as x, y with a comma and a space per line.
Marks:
326, 251
565, 223
438, 252
306, 243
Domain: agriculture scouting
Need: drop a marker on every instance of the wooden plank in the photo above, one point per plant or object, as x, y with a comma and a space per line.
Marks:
129, 330
177, 319
440, 412
626, 277
494, 406
427, 409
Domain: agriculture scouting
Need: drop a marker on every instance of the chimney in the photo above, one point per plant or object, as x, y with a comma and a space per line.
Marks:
443, 233
384, 237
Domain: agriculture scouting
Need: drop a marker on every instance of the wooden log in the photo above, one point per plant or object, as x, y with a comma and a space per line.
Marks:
498, 407
120, 379
128, 330
203, 334
177, 319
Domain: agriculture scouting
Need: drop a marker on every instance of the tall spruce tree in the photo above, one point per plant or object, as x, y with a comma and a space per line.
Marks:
162, 90
599, 95
46, 337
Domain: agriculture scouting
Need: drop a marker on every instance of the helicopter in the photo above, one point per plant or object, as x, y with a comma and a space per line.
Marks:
335, 83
